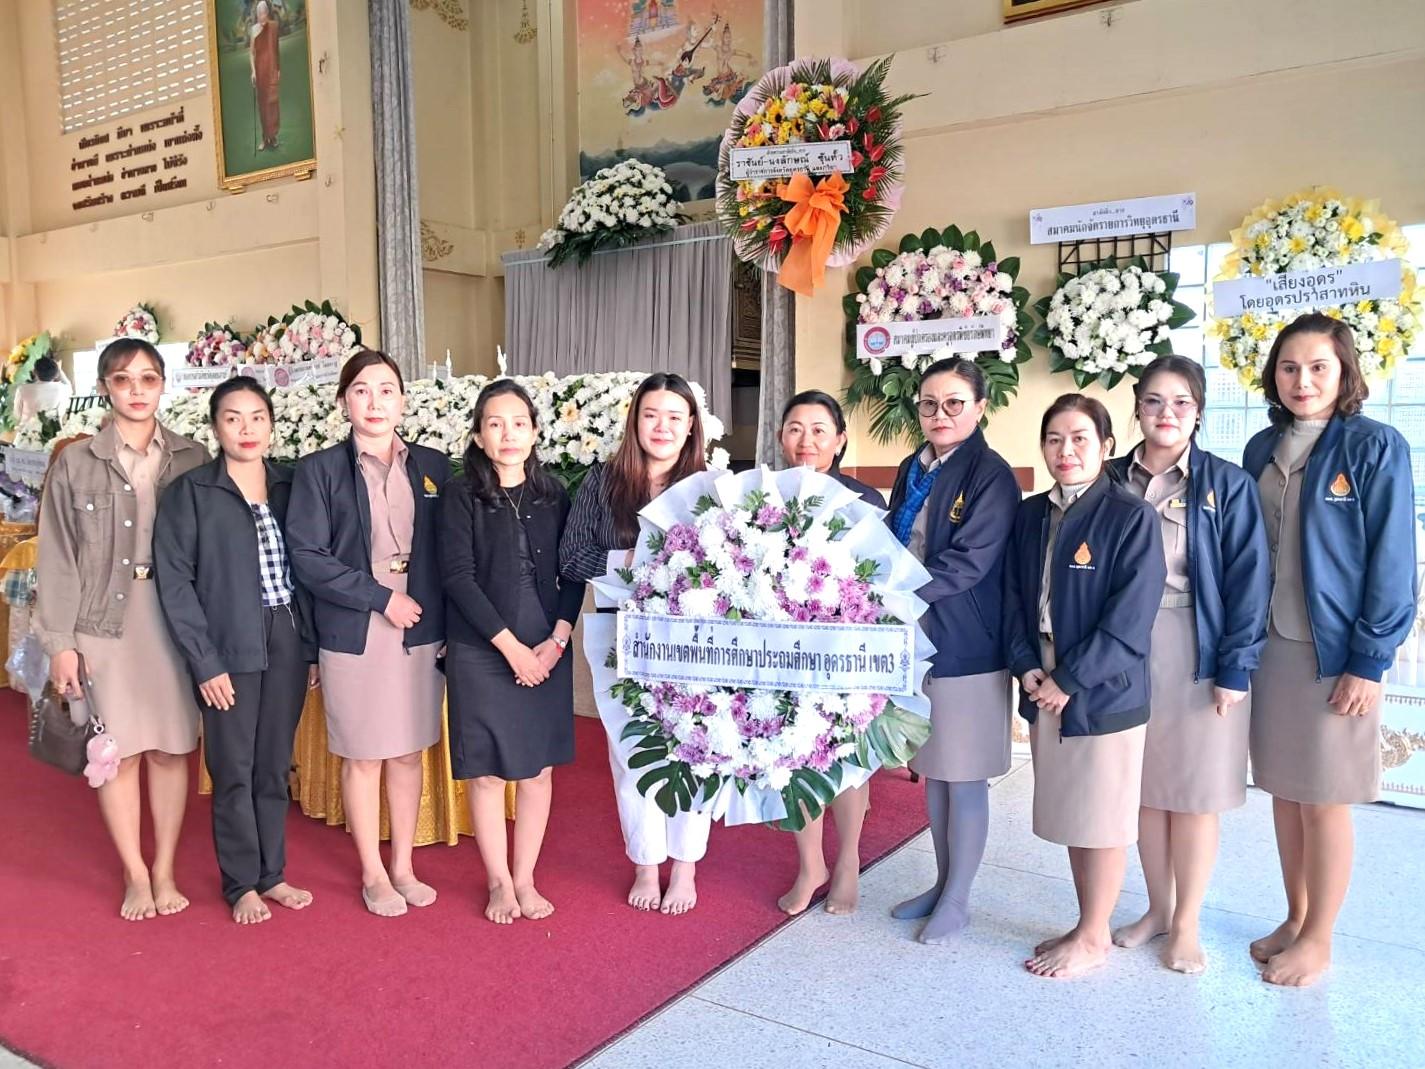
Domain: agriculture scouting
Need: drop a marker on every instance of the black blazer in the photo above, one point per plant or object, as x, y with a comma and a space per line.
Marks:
205, 562
329, 537
480, 562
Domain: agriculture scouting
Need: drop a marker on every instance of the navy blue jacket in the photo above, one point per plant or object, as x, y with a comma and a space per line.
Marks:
1357, 542
329, 538
1228, 564
968, 515
1107, 581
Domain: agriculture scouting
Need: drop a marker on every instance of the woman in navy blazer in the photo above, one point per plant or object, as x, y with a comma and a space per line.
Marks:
1337, 495
1082, 587
953, 504
363, 530
1207, 638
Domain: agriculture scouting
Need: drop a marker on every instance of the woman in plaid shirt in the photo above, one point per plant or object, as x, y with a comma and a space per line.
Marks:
244, 627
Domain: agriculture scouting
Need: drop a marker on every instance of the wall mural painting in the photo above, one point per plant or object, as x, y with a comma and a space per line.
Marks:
658, 80
261, 70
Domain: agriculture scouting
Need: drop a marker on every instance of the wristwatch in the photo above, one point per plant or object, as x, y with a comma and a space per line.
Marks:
562, 643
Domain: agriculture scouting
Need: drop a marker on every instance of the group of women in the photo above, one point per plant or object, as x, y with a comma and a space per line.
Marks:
1137, 604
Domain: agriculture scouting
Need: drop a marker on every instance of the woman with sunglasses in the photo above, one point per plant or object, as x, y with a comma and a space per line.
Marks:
97, 600
953, 505
1207, 640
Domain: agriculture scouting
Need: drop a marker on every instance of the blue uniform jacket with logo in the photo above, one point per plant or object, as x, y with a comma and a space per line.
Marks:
1357, 542
968, 516
1228, 565
1107, 580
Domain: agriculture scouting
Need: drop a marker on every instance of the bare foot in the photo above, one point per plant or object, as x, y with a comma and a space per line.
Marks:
1050, 944
1269, 946
533, 905
1073, 956
1183, 953
413, 891
804, 889
504, 907
167, 898
682, 890
645, 892
250, 909
845, 890
381, 899
138, 900
1299, 965
284, 894
922, 905
1144, 930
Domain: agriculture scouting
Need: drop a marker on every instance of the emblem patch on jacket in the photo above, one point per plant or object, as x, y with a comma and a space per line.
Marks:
430, 485
957, 510
1211, 503
1340, 486
1083, 558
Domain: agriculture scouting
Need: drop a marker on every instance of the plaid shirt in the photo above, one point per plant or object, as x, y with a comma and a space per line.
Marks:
272, 566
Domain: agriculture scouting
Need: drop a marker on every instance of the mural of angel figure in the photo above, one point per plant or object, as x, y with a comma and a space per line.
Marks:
728, 85
664, 91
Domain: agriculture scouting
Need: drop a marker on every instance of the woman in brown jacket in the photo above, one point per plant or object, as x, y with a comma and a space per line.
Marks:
96, 599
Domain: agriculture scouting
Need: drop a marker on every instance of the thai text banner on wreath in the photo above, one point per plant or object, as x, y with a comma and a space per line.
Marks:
770, 654
1301, 291
970, 334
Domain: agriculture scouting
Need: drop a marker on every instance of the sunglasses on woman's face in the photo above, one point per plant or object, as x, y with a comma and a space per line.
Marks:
951, 406
122, 381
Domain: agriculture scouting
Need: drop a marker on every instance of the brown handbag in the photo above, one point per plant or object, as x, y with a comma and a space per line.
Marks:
54, 737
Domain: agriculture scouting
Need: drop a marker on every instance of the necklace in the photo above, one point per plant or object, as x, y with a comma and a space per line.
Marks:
516, 505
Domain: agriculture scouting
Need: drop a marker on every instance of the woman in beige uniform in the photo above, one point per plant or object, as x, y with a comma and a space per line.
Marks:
1207, 639
363, 527
97, 600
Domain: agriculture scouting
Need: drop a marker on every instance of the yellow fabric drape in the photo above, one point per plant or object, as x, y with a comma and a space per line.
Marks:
316, 782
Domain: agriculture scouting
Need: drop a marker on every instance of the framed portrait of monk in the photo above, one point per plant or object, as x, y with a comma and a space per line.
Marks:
261, 72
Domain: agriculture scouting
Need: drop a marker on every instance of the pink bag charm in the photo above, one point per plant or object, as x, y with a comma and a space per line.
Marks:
103, 754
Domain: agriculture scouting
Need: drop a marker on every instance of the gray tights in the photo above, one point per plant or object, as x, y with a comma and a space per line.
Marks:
959, 826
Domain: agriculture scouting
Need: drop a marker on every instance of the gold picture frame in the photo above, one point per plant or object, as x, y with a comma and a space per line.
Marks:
263, 131
1014, 10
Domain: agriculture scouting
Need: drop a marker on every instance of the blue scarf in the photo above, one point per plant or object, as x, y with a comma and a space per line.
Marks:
918, 484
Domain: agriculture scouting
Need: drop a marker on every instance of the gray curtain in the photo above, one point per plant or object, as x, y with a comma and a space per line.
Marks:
779, 305
398, 223
665, 305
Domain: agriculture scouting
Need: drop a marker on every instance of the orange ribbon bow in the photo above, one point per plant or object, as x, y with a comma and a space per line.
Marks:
812, 222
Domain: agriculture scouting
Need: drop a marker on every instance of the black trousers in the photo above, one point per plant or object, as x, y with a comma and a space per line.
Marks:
248, 751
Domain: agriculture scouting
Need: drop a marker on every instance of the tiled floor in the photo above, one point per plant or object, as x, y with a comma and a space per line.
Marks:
859, 991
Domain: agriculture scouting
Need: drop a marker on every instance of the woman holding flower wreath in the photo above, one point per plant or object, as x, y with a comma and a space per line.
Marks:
662, 444
1082, 590
1336, 492
813, 436
953, 505
509, 618
1207, 640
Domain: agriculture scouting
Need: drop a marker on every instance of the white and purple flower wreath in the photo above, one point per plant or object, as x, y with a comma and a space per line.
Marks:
791, 546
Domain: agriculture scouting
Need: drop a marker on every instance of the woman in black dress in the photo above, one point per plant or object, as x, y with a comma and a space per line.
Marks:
509, 618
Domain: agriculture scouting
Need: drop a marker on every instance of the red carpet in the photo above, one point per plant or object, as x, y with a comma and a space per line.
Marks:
335, 986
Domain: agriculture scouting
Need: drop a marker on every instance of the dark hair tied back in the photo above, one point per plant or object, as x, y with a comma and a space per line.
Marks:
1077, 402
833, 409
237, 384
1189, 370
480, 474
961, 367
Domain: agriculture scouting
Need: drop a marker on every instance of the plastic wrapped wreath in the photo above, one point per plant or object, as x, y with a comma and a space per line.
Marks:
799, 225
618, 206
140, 321
936, 275
800, 550
1110, 321
1312, 229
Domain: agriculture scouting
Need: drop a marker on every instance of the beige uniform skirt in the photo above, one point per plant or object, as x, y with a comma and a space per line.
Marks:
969, 728
142, 689
386, 701
1194, 761
1302, 749
1086, 788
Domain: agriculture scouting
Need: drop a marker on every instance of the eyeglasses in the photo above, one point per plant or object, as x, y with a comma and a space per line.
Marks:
951, 406
122, 380
1181, 406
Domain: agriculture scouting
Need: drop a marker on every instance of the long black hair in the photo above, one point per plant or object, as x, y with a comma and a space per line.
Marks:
480, 471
